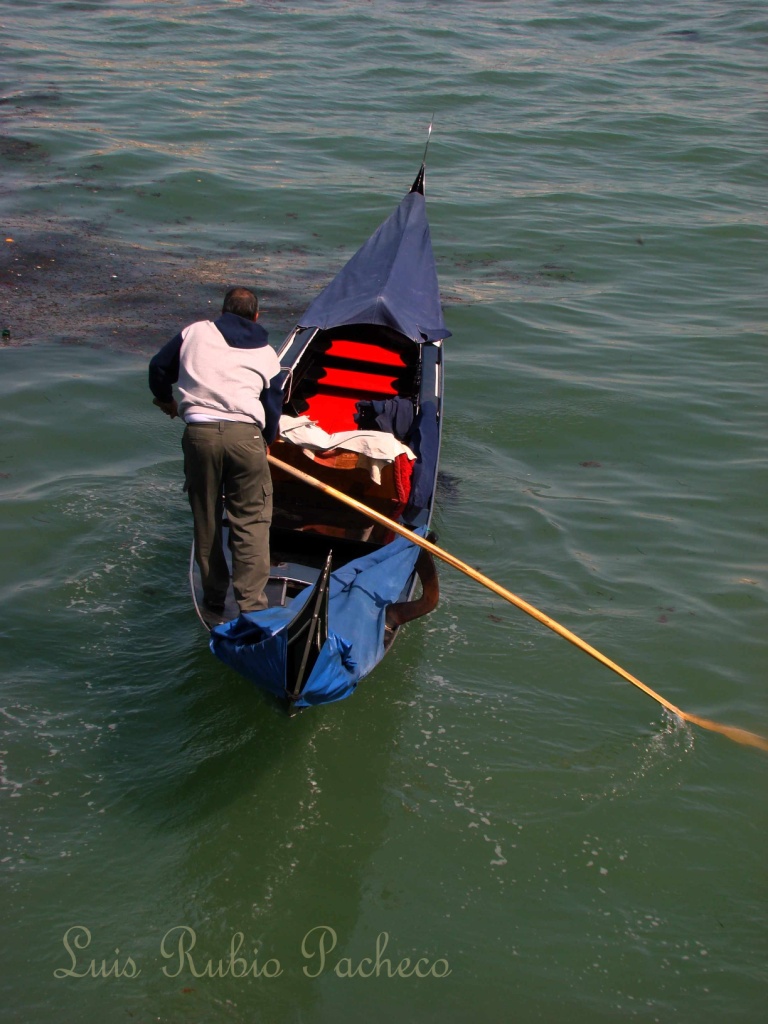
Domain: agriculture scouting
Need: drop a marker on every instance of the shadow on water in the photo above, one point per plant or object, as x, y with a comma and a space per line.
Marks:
196, 738
273, 820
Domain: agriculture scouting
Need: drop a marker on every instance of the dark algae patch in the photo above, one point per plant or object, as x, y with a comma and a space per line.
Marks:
21, 150
68, 282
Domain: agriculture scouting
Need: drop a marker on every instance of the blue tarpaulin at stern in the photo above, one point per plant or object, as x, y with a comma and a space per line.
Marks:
359, 593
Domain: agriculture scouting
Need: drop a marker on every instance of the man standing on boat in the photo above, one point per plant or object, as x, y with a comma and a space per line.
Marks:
230, 401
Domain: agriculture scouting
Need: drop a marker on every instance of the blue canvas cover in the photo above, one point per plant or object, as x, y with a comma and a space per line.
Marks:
255, 643
390, 281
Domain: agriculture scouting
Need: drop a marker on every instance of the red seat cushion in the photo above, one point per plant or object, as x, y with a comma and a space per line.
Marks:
332, 412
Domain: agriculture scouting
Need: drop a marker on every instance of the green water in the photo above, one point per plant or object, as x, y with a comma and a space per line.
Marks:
531, 832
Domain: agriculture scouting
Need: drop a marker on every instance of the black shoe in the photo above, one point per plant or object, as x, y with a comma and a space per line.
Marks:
213, 614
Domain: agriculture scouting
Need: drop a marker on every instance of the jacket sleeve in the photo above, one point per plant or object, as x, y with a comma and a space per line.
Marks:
272, 400
164, 369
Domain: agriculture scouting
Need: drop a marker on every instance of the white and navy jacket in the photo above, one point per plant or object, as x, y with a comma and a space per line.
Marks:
225, 369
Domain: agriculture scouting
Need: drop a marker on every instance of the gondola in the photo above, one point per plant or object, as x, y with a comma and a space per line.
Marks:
362, 379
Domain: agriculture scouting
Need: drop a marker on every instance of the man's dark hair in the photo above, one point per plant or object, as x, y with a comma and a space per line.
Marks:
241, 302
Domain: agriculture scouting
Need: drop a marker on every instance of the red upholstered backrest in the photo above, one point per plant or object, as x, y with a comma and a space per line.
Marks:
364, 352
376, 385
335, 412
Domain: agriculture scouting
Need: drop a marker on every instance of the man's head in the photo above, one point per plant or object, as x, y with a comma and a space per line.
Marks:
241, 302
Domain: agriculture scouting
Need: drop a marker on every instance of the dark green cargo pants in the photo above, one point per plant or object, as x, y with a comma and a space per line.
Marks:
225, 464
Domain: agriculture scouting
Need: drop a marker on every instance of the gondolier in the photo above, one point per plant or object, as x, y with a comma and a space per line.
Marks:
363, 401
230, 402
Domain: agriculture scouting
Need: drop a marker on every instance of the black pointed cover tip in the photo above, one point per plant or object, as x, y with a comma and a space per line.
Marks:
418, 185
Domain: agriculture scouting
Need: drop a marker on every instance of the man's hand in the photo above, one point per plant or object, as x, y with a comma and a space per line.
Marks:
169, 408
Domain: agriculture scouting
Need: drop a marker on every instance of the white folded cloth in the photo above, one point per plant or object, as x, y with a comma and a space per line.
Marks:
376, 447
376, 444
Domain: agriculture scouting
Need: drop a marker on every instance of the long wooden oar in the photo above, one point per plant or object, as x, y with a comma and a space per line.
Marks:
751, 739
